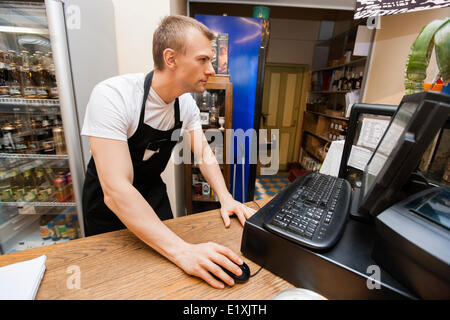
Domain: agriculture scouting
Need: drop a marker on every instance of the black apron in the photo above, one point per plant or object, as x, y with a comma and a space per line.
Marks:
98, 218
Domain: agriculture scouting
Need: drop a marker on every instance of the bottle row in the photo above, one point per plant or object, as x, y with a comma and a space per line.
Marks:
26, 75
32, 134
201, 187
210, 109
338, 130
36, 185
346, 81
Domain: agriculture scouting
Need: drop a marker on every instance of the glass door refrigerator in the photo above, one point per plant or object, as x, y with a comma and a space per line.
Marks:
44, 88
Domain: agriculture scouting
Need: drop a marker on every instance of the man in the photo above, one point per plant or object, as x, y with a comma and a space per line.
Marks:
130, 120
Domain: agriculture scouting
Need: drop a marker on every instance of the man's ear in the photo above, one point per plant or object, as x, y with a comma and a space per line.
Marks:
169, 58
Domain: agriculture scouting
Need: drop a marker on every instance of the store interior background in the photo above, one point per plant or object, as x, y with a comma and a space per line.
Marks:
294, 32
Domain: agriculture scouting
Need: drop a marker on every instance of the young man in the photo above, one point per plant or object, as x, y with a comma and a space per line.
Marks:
130, 120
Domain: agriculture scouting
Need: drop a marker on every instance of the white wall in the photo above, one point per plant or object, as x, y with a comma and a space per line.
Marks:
392, 45
136, 20
292, 41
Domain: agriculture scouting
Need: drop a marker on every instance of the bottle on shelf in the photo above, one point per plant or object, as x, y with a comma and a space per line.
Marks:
58, 138
8, 131
22, 136
15, 90
6, 194
358, 81
4, 85
40, 78
28, 87
334, 85
17, 185
352, 81
53, 88
341, 84
204, 112
214, 112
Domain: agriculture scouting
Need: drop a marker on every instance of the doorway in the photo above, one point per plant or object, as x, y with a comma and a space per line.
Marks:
282, 108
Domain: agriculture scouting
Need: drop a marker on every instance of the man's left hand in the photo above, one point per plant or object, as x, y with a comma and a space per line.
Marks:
229, 206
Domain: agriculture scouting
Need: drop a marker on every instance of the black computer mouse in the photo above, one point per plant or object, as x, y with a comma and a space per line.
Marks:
243, 277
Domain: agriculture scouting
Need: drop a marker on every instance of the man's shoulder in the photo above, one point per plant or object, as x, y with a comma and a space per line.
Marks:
122, 83
186, 100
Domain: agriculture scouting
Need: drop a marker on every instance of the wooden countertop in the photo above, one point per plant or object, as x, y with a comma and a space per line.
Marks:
117, 265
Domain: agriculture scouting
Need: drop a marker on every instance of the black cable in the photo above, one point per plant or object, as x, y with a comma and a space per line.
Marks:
262, 265
256, 272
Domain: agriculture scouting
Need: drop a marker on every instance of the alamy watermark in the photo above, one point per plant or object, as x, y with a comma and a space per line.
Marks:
74, 280
268, 153
374, 281
73, 17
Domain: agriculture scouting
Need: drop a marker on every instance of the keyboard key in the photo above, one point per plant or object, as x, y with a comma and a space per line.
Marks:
296, 229
279, 223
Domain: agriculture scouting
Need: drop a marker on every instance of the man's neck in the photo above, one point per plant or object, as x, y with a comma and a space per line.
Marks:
165, 86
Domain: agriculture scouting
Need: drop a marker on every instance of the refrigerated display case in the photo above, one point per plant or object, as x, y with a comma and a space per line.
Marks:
42, 162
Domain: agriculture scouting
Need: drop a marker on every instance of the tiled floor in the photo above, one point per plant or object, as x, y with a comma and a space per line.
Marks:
267, 186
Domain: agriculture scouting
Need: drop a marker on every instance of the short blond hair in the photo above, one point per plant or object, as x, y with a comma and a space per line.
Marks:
171, 33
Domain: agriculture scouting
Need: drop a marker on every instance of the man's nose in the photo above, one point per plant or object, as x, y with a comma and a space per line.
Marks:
210, 71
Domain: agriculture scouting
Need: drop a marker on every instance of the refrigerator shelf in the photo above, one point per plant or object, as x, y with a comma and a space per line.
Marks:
29, 102
39, 204
34, 156
35, 106
24, 30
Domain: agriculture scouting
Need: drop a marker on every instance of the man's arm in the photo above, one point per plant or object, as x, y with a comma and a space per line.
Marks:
211, 171
115, 171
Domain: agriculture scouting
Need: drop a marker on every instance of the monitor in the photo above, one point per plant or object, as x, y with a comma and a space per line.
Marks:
367, 121
414, 125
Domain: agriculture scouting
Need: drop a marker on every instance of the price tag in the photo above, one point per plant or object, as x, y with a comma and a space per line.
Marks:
27, 210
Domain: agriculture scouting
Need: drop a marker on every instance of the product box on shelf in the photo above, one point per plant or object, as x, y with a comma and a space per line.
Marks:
222, 50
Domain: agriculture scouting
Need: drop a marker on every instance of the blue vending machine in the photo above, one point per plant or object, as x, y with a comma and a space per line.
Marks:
244, 41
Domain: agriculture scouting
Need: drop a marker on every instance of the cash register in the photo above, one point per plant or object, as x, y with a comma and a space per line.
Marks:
306, 236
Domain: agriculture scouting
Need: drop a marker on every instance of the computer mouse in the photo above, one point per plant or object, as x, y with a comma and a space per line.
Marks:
243, 277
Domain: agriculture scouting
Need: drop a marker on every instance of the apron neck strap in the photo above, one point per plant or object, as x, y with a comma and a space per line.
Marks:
147, 85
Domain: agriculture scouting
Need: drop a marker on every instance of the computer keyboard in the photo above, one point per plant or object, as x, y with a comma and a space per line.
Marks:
312, 211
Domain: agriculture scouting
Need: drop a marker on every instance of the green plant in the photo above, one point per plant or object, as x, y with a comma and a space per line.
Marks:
435, 34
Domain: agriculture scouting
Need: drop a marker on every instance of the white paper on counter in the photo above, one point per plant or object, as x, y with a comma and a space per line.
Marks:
333, 158
20, 281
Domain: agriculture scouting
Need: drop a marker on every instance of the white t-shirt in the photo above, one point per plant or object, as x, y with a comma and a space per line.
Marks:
115, 104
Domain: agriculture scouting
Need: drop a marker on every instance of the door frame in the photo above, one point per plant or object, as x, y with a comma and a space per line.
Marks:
305, 77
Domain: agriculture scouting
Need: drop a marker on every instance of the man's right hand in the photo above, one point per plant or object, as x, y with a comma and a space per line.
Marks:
202, 259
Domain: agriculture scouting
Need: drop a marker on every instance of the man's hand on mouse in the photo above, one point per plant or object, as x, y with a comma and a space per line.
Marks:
229, 206
202, 260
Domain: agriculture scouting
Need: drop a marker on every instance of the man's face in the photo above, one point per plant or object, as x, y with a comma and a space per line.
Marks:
194, 67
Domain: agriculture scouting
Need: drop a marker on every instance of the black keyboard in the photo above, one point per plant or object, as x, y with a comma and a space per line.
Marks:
311, 211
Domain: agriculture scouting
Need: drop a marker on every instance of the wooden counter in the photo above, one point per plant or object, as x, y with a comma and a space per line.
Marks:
117, 265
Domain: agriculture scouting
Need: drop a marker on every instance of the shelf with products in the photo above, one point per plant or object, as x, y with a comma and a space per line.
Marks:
31, 231
31, 134
335, 86
343, 65
216, 110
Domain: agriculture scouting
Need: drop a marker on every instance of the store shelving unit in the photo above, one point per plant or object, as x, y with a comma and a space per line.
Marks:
222, 85
325, 118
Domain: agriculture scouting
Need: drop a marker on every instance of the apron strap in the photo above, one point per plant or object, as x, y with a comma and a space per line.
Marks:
147, 84
177, 111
